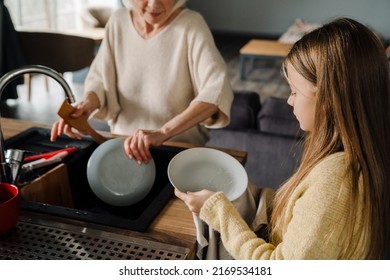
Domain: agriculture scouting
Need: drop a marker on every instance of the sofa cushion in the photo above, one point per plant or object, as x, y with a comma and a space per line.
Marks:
277, 117
245, 107
271, 158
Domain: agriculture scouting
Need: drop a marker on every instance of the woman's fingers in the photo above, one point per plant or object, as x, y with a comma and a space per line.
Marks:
143, 147
128, 150
61, 127
54, 131
57, 129
69, 131
137, 146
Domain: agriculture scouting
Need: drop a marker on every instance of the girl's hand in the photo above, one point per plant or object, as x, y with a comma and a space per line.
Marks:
194, 200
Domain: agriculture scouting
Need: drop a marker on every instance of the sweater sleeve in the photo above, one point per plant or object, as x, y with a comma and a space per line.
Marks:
102, 78
239, 240
209, 72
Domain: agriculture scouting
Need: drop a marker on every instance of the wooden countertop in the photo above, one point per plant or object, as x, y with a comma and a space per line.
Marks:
174, 226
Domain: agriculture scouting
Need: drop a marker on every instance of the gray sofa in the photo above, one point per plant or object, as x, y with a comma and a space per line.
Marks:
269, 133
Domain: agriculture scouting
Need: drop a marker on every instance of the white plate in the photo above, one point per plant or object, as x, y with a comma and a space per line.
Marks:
205, 168
115, 178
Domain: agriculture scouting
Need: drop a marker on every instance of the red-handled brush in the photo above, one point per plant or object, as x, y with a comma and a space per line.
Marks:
49, 154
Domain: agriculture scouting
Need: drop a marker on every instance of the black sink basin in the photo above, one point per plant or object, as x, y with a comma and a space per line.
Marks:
86, 206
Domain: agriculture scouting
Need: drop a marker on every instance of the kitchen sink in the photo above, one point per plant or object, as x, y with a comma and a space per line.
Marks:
85, 205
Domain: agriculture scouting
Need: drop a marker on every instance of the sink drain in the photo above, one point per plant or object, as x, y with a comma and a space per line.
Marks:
33, 241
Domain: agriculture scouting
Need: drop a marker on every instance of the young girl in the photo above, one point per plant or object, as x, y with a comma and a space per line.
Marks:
336, 206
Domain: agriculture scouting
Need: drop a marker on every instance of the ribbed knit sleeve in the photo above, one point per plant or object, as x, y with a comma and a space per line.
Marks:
239, 240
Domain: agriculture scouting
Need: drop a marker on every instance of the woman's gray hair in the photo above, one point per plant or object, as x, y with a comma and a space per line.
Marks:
130, 3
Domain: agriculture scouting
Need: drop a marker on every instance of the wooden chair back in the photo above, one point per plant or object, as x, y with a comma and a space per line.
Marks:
62, 52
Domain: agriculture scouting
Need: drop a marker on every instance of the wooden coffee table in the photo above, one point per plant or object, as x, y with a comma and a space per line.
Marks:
260, 49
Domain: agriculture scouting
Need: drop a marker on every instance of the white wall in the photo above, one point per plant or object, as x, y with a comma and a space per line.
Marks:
53, 14
110, 3
272, 17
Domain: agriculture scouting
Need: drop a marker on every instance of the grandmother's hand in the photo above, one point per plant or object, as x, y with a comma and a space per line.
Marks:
138, 145
61, 127
194, 200
84, 108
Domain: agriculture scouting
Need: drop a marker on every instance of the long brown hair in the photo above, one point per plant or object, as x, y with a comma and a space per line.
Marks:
346, 61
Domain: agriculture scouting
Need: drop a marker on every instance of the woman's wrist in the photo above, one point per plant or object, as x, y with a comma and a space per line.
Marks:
91, 101
165, 131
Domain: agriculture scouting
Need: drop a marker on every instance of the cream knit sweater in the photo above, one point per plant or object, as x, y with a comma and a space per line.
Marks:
143, 83
317, 216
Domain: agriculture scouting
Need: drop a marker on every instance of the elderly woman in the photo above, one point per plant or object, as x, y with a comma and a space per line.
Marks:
157, 76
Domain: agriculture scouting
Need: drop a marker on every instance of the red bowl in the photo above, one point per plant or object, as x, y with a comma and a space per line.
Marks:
9, 207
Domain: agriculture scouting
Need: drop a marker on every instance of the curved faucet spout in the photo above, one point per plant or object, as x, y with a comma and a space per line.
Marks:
5, 173
38, 69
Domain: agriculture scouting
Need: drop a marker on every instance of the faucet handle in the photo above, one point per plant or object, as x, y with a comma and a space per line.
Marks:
14, 159
14, 155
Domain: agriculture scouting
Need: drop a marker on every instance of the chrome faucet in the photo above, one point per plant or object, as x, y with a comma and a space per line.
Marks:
9, 167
